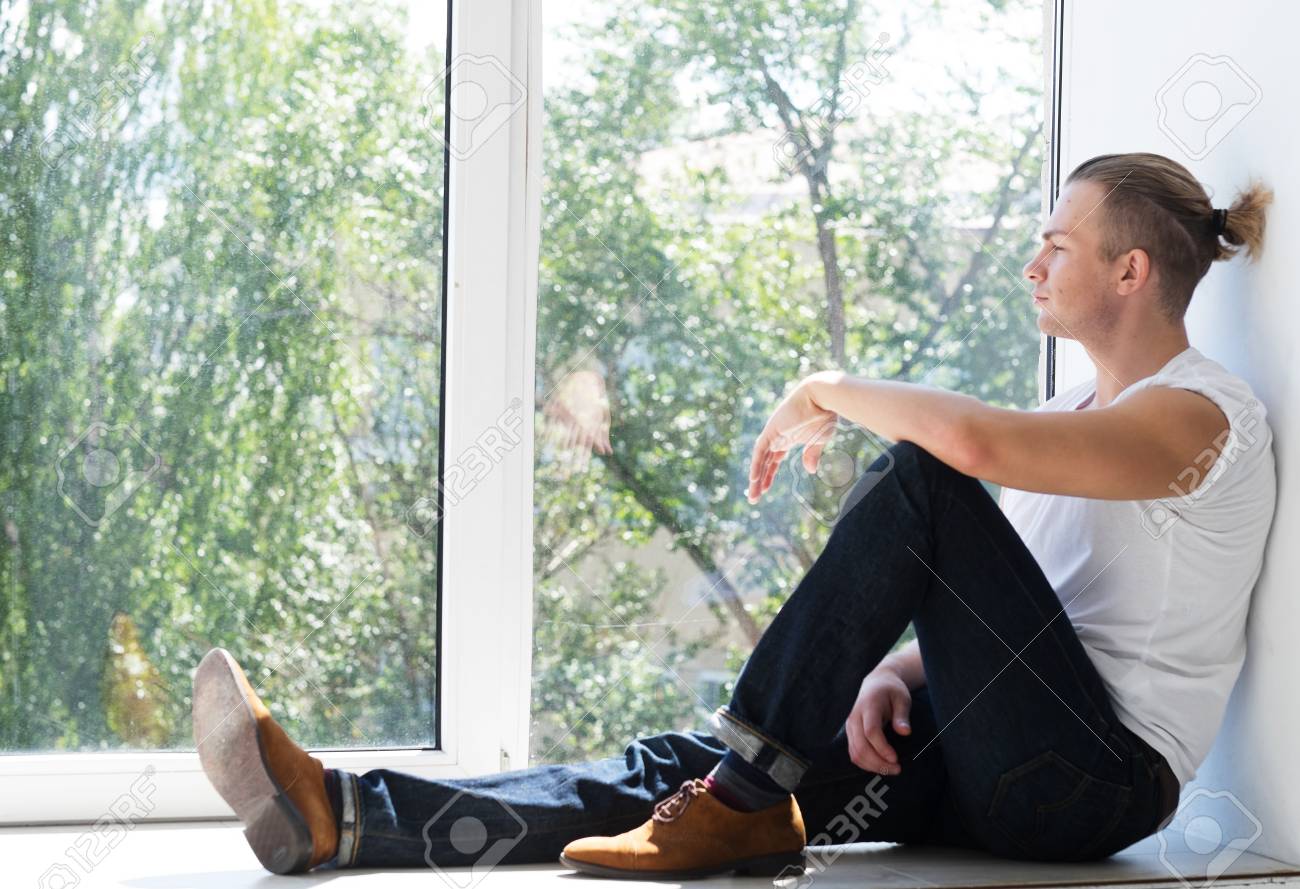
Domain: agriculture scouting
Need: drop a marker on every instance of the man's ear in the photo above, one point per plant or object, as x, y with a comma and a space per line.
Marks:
1135, 271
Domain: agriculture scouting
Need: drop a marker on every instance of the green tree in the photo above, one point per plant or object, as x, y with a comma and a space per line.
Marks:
700, 323
228, 271
219, 293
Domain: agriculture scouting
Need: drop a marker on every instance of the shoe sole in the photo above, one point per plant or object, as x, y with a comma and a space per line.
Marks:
230, 750
761, 866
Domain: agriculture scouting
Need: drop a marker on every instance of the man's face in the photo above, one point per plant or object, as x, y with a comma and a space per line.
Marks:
1073, 286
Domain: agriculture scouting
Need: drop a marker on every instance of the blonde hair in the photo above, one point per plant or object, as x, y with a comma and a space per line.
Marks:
1154, 204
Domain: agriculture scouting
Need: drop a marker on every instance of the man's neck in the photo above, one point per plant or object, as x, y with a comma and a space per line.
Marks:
1122, 363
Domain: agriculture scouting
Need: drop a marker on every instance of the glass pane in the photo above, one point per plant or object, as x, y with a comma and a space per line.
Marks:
738, 194
220, 316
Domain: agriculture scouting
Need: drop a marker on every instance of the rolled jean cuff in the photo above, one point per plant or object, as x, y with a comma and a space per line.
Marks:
778, 762
349, 821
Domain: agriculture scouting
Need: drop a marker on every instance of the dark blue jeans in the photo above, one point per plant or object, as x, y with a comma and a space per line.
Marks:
1015, 748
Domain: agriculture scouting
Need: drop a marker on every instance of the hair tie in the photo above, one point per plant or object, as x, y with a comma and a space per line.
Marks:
1220, 221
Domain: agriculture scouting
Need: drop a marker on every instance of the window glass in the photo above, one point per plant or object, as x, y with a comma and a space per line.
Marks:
220, 340
738, 194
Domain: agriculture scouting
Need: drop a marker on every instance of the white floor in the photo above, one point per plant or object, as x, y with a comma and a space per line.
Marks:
214, 856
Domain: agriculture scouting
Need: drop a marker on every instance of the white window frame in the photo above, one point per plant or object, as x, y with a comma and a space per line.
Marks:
1064, 363
494, 208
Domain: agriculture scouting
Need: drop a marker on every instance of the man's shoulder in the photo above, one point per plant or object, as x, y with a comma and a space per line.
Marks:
1231, 392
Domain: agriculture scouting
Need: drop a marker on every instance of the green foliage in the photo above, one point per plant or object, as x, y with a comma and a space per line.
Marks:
601, 678
230, 271
698, 319
231, 281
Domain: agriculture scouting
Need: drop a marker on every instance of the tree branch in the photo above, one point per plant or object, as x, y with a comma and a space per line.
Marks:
703, 560
977, 259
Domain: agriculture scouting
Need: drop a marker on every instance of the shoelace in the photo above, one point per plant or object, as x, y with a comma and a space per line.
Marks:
671, 808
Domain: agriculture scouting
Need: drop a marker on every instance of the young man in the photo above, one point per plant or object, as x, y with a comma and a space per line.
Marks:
1075, 646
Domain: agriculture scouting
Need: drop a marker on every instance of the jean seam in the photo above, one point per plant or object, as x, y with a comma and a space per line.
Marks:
786, 769
358, 822
765, 738
1035, 763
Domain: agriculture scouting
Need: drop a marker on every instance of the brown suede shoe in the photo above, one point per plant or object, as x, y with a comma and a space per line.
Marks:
273, 785
693, 834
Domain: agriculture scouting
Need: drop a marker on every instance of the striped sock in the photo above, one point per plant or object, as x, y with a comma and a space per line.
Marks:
742, 786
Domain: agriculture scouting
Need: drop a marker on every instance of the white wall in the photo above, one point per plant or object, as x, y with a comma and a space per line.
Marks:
1117, 57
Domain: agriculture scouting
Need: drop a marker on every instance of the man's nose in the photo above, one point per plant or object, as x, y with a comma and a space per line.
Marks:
1033, 269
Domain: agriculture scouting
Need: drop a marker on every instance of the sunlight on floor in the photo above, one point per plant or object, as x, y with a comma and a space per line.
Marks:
214, 856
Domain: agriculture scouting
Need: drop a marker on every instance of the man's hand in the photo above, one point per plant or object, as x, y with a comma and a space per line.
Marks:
797, 420
883, 698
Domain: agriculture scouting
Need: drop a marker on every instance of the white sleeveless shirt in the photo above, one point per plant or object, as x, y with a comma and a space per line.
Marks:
1158, 590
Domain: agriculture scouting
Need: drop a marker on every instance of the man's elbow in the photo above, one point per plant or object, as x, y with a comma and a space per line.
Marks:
971, 448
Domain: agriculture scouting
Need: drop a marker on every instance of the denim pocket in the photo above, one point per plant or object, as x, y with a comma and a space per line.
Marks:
1051, 809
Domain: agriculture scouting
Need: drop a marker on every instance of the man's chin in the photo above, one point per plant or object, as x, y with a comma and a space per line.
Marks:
1050, 326
1053, 329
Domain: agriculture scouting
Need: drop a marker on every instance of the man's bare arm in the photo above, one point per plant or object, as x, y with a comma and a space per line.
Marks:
1134, 449
906, 662
936, 419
